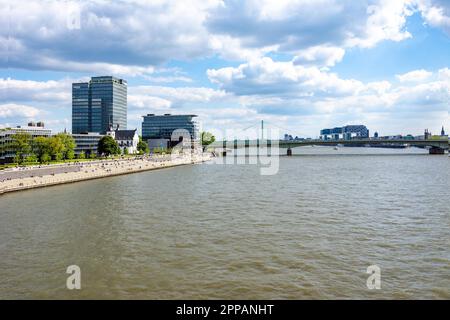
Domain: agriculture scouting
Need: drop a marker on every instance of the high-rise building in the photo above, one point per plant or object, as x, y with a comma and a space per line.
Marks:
162, 127
99, 104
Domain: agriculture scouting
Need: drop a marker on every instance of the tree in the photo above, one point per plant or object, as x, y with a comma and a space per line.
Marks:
41, 147
93, 154
81, 155
108, 146
56, 148
142, 146
21, 144
69, 145
70, 155
46, 158
31, 158
125, 151
207, 138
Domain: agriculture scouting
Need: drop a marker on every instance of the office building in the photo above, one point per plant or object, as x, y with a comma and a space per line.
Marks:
99, 104
163, 126
87, 143
33, 129
347, 132
165, 131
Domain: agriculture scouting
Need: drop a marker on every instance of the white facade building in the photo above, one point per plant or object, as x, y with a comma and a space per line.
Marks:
127, 139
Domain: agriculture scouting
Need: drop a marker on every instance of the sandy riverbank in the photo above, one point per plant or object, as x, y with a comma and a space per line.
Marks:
44, 176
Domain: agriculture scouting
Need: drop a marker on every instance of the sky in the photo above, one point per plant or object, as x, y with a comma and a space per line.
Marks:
299, 65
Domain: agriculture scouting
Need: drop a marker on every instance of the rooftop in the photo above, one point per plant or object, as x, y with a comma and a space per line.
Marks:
125, 134
170, 115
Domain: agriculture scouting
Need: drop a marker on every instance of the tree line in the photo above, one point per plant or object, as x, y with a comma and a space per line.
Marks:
42, 149
62, 147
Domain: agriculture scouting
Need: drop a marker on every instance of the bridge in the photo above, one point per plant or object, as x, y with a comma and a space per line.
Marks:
435, 146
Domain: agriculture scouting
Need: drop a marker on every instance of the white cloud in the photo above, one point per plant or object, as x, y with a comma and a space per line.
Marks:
311, 97
181, 94
141, 101
116, 37
11, 110
320, 55
267, 77
436, 13
386, 21
51, 91
414, 76
444, 74
285, 89
131, 38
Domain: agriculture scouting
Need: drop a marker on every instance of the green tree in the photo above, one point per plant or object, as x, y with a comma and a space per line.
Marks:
56, 148
108, 146
92, 154
21, 144
125, 151
142, 146
41, 146
46, 158
207, 138
31, 158
70, 155
69, 145
82, 155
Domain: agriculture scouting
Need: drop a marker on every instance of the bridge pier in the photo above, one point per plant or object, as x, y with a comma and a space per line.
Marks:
436, 150
289, 152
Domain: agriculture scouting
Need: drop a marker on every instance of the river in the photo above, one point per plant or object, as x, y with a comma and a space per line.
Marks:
226, 232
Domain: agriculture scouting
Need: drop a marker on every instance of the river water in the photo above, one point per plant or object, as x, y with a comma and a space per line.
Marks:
227, 232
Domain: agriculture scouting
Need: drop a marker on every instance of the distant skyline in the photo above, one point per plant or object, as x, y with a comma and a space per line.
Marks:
302, 65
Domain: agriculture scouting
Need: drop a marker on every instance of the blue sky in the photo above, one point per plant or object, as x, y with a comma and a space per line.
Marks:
301, 65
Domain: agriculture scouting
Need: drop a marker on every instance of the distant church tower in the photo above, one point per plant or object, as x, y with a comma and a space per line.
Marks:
442, 131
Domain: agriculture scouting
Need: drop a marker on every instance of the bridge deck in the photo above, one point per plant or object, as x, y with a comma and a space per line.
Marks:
437, 143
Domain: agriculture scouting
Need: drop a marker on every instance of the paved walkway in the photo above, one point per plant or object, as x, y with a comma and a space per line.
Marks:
34, 177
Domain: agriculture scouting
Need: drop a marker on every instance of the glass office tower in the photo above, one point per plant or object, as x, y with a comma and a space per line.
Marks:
99, 104
80, 107
162, 127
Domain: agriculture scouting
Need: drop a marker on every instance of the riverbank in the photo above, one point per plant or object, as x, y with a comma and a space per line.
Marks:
12, 180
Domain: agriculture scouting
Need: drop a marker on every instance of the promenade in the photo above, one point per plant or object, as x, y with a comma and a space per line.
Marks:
17, 179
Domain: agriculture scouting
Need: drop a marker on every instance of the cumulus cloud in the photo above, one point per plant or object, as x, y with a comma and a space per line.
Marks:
283, 88
296, 26
414, 76
320, 55
436, 13
181, 94
11, 110
132, 37
265, 76
36, 91
310, 96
